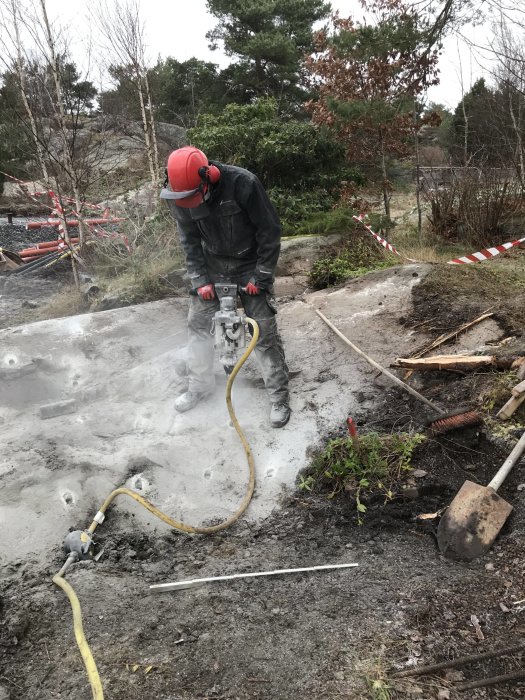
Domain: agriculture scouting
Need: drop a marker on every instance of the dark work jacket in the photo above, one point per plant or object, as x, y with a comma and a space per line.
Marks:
235, 235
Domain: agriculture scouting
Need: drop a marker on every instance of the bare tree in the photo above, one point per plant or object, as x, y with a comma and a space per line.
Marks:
466, 158
12, 55
510, 76
417, 158
121, 25
67, 156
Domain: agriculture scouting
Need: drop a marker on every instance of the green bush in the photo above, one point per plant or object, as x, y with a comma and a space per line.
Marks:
301, 165
299, 213
353, 260
337, 220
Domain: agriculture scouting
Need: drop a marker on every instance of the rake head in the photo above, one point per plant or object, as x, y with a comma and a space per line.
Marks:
453, 421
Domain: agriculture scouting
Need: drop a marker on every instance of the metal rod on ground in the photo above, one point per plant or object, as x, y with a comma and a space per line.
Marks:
33, 265
460, 661
190, 583
482, 682
375, 364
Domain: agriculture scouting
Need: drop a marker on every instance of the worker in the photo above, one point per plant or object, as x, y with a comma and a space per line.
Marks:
229, 231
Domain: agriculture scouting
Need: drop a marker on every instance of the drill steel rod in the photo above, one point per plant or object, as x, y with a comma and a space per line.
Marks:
460, 661
494, 680
190, 583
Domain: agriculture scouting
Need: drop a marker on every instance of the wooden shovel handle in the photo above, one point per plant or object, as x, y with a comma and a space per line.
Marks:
507, 465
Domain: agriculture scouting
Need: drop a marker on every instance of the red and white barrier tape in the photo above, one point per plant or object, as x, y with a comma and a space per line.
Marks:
378, 238
101, 233
24, 186
60, 213
87, 205
33, 195
485, 254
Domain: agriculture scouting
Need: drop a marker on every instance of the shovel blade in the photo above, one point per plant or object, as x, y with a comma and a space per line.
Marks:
472, 522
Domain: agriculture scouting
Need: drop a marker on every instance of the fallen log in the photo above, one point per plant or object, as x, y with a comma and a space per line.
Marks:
458, 362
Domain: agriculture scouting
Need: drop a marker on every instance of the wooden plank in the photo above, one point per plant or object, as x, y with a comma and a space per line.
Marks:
445, 362
510, 407
448, 336
519, 389
457, 362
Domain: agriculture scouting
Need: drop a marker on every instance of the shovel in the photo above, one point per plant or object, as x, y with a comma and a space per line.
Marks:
473, 520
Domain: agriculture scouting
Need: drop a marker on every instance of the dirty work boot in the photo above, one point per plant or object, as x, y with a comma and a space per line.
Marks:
279, 415
189, 400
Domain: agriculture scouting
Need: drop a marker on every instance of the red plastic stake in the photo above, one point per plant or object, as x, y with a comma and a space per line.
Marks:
351, 427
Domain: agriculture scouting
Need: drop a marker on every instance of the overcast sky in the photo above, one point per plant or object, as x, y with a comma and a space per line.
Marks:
176, 28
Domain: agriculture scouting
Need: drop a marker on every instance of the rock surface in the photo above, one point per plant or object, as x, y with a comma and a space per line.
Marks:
119, 365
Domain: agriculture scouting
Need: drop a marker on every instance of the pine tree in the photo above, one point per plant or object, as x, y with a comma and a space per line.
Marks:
269, 39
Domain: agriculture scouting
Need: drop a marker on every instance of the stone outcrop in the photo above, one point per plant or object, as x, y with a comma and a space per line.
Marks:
110, 147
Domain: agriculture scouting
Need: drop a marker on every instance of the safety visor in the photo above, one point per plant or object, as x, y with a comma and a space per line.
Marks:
169, 194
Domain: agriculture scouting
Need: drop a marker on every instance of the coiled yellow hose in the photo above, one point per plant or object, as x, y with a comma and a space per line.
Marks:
59, 580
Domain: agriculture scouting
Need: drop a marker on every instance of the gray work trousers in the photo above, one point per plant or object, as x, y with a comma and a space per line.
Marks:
268, 351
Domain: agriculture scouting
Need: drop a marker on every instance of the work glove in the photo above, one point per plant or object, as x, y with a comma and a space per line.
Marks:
252, 289
207, 292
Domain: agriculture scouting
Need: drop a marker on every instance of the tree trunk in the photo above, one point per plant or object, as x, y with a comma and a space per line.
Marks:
156, 163
516, 123
418, 174
465, 134
23, 92
81, 224
145, 126
385, 183
61, 115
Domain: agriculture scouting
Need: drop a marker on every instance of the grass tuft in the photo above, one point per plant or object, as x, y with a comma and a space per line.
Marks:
141, 274
369, 463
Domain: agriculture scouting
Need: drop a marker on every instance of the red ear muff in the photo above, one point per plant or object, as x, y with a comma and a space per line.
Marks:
214, 174
211, 174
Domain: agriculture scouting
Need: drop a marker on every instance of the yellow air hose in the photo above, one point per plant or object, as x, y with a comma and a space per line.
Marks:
87, 656
59, 580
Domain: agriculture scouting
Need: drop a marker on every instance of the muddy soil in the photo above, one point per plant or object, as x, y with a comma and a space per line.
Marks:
320, 635
19, 298
21, 293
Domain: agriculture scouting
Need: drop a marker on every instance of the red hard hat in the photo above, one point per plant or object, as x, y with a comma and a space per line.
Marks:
189, 174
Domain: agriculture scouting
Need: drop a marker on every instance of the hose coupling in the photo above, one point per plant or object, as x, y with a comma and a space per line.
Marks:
81, 543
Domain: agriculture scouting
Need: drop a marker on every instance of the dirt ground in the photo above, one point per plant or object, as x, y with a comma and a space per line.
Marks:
18, 296
320, 635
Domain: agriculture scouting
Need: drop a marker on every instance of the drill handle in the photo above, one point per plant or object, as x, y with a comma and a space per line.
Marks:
195, 293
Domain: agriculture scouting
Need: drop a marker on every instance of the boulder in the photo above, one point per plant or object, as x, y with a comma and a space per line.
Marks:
172, 135
298, 253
